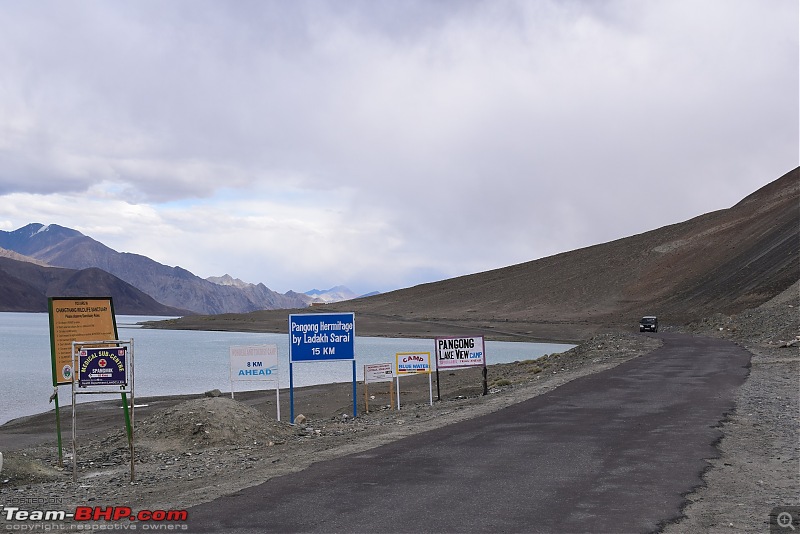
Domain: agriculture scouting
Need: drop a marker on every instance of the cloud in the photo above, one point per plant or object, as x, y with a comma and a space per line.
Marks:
386, 144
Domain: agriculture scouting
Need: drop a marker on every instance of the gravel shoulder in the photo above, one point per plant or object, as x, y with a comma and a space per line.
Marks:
758, 467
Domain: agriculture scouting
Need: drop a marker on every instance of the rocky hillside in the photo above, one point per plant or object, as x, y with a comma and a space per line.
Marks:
722, 262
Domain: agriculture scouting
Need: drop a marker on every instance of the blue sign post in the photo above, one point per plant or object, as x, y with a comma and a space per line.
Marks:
321, 337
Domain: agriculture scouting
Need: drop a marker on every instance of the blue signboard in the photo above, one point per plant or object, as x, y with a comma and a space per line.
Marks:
102, 367
317, 337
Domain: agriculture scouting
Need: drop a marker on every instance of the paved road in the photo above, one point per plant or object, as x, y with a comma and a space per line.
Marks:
611, 452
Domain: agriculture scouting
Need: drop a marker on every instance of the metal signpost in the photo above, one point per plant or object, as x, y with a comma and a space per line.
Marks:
321, 337
73, 318
460, 352
413, 363
103, 363
256, 363
378, 372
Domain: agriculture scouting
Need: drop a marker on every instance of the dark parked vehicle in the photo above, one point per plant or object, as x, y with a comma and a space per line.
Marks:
648, 323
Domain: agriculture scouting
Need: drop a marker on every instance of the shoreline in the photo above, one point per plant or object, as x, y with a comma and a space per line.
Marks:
313, 401
28, 395
376, 325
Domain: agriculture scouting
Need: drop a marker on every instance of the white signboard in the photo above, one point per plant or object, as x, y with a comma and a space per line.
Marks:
409, 363
412, 363
257, 363
254, 362
456, 352
378, 372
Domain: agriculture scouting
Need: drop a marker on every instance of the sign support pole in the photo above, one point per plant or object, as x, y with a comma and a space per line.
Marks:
485, 383
127, 419
355, 391
72, 318
58, 431
74, 434
291, 393
130, 422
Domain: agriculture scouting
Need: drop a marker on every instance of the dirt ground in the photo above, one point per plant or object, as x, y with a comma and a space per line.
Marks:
190, 450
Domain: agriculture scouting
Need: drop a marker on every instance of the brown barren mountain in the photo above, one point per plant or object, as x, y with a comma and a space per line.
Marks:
720, 262
25, 287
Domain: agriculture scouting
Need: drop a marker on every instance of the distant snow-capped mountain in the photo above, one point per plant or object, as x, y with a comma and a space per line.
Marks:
335, 294
228, 280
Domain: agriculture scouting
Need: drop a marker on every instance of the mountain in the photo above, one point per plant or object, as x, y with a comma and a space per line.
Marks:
334, 294
721, 262
173, 286
259, 293
228, 280
20, 257
323, 296
25, 286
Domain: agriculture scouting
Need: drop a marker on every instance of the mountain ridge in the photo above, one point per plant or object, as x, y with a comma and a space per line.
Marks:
25, 287
720, 262
173, 286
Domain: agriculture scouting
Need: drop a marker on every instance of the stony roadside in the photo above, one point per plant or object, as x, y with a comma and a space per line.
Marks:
759, 463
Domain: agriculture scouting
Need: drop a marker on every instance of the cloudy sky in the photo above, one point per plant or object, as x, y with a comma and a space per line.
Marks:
382, 144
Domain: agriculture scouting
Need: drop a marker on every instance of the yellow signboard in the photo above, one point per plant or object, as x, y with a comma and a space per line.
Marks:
77, 319
410, 363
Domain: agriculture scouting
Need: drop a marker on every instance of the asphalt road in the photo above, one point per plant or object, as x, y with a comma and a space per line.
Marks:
611, 452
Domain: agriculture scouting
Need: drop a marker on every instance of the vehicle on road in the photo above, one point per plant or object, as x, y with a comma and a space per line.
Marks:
648, 323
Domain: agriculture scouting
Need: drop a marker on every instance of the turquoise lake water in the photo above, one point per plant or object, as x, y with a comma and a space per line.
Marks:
177, 362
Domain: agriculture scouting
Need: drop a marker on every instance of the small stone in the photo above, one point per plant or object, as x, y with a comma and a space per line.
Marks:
300, 419
213, 393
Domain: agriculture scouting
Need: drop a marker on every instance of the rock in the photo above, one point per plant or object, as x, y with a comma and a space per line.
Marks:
213, 393
300, 419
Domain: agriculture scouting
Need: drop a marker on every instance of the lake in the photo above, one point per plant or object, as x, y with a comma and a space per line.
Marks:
178, 362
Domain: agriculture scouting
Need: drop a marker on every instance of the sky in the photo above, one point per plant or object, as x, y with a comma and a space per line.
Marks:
382, 144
